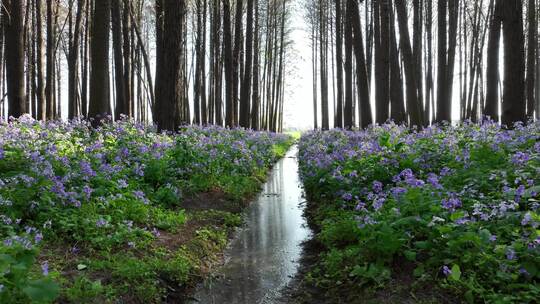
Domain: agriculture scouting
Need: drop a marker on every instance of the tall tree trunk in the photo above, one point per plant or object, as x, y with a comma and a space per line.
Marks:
348, 113
237, 58
362, 82
73, 66
126, 31
51, 59
323, 45
99, 73
397, 100
339, 66
413, 106
246, 84
229, 65
12, 11
531, 58
441, 61
169, 91
382, 60
255, 97
492, 72
41, 101
116, 15
513, 106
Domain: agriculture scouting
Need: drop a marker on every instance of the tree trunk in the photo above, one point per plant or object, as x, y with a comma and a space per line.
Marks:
246, 84
73, 66
362, 81
99, 74
397, 111
169, 91
413, 106
441, 61
14, 55
339, 66
382, 54
255, 97
51, 58
513, 106
116, 15
492, 72
531, 58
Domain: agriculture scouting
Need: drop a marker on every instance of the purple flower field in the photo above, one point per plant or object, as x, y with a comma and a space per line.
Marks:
451, 207
77, 202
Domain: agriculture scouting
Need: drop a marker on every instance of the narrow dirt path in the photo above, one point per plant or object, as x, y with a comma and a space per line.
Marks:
264, 255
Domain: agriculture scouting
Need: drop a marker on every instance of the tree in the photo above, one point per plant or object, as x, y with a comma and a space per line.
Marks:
246, 83
492, 74
513, 105
121, 106
73, 64
339, 66
169, 91
413, 106
99, 73
12, 11
382, 60
531, 58
362, 81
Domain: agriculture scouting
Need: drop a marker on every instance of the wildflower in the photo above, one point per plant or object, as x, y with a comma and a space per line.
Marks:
377, 186
446, 271
378, 203
45, 268
520, 158
38, 237
526, 219
101, 222
397, 191
510, 254
451, 203
347, 196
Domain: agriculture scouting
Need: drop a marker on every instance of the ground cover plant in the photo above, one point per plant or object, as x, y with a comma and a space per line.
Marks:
451, 210
120, 213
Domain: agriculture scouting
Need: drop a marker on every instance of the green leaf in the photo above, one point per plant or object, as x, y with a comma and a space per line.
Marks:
456, 273
44, 290
81, 267
410, 255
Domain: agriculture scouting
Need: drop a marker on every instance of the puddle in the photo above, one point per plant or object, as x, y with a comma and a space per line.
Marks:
264, 255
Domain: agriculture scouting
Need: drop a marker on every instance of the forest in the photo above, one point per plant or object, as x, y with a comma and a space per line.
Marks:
150, 151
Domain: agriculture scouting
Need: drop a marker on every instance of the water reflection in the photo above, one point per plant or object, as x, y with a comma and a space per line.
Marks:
263, 256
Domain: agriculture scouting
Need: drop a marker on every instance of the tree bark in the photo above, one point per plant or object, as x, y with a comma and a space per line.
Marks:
362, 82
513, 105
531, 58
12, 11
492, 73
99, 73
413, 106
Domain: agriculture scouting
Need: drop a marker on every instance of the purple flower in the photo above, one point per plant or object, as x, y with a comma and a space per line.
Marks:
397, 191
526, 219
445, 171
2, 154
38, 237
446, 271
520, 191
520, 158
101, 222
347, 196
451, 203
510, 254
433, 179
45, 268
377, 186
378, 203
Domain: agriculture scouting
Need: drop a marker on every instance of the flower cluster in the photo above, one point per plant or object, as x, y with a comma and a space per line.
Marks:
465, 196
